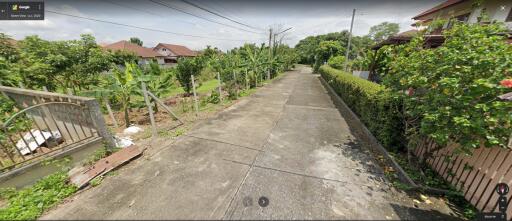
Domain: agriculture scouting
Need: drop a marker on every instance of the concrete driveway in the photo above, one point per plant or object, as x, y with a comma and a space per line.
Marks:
287, 143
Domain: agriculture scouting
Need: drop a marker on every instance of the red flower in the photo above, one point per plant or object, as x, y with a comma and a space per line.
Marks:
506, 83
410, 91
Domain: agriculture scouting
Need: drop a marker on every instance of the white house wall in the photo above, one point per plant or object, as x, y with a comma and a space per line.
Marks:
165, 51
498, 10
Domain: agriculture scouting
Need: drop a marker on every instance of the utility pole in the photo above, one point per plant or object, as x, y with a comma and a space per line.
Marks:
270, 41
349, 39
269, 51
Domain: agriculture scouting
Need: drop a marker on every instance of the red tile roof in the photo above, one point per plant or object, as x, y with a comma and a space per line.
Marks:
138, 50
178, 50
437, 8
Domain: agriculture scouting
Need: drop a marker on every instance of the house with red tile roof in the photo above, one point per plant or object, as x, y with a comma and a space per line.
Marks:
451, 11
146, 55
465, 11
173, 52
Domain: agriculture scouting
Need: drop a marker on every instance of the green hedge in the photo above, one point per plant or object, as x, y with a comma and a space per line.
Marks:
375, 106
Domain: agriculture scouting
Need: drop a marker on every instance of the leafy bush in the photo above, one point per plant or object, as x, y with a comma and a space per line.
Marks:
31, 202
453, 89
325, 50
377, 108
186, 68
214, 97
337, 62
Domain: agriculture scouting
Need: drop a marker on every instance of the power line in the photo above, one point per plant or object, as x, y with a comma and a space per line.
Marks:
145, 11
142, 28
283, 31
212, 4
220, 15
197, 16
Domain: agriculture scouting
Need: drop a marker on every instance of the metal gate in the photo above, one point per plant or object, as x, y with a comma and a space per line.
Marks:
47, 124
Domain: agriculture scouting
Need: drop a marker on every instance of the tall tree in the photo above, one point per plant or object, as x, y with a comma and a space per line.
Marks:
186, 68
383, 31
87, 61
306, 48
325, 50
136, 41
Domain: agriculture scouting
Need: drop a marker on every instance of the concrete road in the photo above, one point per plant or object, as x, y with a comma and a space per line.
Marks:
287, 143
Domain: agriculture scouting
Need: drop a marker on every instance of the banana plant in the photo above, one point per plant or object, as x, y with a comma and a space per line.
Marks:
120, 85
158, 81
255, 60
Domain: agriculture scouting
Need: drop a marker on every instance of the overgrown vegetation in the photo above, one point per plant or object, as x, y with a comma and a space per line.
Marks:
31, 202
448, 94
452, 90
429, 177
86, 69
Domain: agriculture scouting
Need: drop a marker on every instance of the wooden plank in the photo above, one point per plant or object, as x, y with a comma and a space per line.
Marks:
451, 172
493, 179
477, 167
460, 169
465, 172
82, 178
445, 152
507, 178
480, 175
444, 170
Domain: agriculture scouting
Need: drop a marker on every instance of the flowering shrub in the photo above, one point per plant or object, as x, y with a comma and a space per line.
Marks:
454, 88
506, 83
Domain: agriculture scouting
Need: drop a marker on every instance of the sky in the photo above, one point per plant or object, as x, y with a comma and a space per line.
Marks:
162, 24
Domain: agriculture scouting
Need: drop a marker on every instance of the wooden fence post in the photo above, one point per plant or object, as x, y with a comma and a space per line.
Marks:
220, 86
246, 80
236, 84
196, 108
150, 109
256, 79
158, 101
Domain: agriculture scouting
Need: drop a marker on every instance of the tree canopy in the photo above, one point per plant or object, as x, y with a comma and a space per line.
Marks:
136, 41
383, 31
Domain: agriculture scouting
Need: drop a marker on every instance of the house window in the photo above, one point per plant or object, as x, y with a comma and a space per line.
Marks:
463, 18
460, 18
509, 17
170, 61
163, 49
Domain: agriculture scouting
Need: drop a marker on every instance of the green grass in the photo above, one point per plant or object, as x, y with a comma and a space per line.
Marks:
205, 87
29, 203
98, 154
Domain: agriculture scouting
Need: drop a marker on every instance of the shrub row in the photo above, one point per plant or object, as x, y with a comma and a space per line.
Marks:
376, 107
